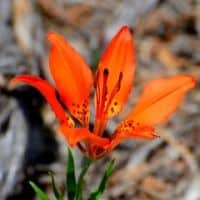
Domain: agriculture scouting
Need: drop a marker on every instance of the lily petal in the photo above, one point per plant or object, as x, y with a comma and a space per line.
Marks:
127, 131
72, 76
48, 91
160, 99
75, 135
115, 74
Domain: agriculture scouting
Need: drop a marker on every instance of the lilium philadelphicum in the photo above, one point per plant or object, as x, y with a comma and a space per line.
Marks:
112, 83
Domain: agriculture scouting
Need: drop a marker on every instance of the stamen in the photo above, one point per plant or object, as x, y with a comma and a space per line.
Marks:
104, 89
103, 101
97, 88
119, 81
101, 98
105, 72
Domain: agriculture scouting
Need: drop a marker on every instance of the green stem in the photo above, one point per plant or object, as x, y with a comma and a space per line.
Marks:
79, 188
70, 176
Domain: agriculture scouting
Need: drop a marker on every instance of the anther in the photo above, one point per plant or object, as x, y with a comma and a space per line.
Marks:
104, 89
96, 79
119, 81
105, 72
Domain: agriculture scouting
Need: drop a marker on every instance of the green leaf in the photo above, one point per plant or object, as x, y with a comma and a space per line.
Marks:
55, 190
79, 188
96, 195
71, 178
38, 191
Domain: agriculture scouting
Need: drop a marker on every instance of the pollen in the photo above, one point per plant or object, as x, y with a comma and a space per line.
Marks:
70, 122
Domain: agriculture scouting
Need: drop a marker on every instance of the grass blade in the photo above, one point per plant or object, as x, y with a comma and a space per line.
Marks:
71, 178
55, 190
96, 195
38, 191
79, 188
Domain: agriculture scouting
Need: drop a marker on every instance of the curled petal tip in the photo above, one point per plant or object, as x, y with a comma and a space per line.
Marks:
12, 83
15, 80
49, 35
52, 36
192, 79
155, 135
125, 28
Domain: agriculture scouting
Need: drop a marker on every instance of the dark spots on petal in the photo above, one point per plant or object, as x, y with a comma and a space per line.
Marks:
112, 109
80, 111
85, 105
128, 126
129, 123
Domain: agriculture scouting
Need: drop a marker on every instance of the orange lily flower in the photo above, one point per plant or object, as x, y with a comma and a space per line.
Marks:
112, 83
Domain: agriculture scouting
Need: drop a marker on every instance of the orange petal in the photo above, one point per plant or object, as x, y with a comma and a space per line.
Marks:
48, 92
160, 99
72, 76
115, 74
75, 135
131, 130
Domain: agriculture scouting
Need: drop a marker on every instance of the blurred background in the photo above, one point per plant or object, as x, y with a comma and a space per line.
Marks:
167, 40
